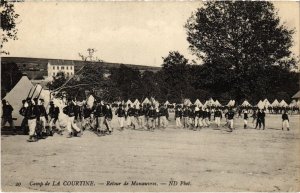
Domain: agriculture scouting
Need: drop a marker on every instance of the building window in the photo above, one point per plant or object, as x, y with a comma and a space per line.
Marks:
68, 73
57, 67
53, 67
62, 68
67, 67
70, 67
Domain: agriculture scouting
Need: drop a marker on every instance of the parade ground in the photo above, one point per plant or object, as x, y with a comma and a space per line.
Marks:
211, 159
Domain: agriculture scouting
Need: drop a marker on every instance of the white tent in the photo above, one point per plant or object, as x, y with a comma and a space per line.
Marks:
231, 103
293, 103
275, 103
283, 104
187, 102
167, 103
217, 103
16, 95
198, 103
260, 105
129, 103
266, 103
136, 102
246, 104
146, 101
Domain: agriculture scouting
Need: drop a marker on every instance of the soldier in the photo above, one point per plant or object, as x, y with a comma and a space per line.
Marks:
185, 115
88, 121
254, 116
163, 113
141, 118
130, 117
71, 125
135, 120
218, 117
192, 117
230, 116
54, 113
197, 117
24, 124
120, 112
204, 117
31, 114
43, 118
285, 121
39, 124
260, 119
7, 110
157, 116
100, 116
108, 118
151, 119
178, 116
245, 119
147, 109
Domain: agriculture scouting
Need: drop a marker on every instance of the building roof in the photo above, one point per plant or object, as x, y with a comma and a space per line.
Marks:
62, 62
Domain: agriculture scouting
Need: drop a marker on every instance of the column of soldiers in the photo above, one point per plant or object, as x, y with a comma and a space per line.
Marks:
98, 117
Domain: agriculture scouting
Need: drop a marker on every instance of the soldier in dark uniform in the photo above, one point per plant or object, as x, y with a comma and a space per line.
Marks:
245, 119
185, 115
151, 119
285, 121
141, 117
71, 125
130, 117
192, 117
218, 117
24, 124
7, 115
120, 112
44, 118
178, 116
31, 114
163, 113
100, 116
230, 116
108, 118
54, 113
39, 124
260, 119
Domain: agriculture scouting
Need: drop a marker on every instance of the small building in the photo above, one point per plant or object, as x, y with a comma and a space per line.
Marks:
56, 66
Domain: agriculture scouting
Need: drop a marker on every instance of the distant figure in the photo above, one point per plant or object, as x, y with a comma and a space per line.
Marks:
285, 121
120, 112
218, 117
108, 118
245, 119
254, 116
163, 119
54, 113
260, 119
185, 115
178, 116
230, 116
24, 124
31, 115
70, 111
7, 115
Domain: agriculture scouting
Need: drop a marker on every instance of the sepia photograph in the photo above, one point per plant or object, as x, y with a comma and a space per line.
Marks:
150, 96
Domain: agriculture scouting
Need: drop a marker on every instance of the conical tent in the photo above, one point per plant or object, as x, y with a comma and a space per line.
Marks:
260, 105
16, 95
146, 101
198, 103
217, 103
167, 103
283, 104
136, 102
231, 103
275, 103
293, 103
266, 103
246, 104
129, 103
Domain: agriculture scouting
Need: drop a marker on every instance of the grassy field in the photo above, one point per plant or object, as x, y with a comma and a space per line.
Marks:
209, 159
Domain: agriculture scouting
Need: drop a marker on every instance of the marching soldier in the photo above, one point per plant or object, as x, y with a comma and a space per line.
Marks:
218, 117
285, 121
54, 113
163, 113
88, 121
130, 117
151, 118
245, 119
260, 119
43, 118
39, 124
185, 115
31, 114
120, 112
192, 117
141, 118
100, 116
108, 118
71, 125
230, 115
24, 124
7, 115
178, 116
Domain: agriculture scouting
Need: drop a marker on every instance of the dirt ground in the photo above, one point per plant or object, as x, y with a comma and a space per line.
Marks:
207, 160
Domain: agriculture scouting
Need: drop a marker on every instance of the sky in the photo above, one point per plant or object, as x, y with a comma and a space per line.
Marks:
123, 32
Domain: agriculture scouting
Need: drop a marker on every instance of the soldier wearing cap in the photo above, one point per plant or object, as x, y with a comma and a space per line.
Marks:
54, 121
185, 115
192, 116
164, 115
130, 117
24, 124
120, 112
71, 125
31, 114
100, 116
141, 118
218, 117
151, 118
43, 118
